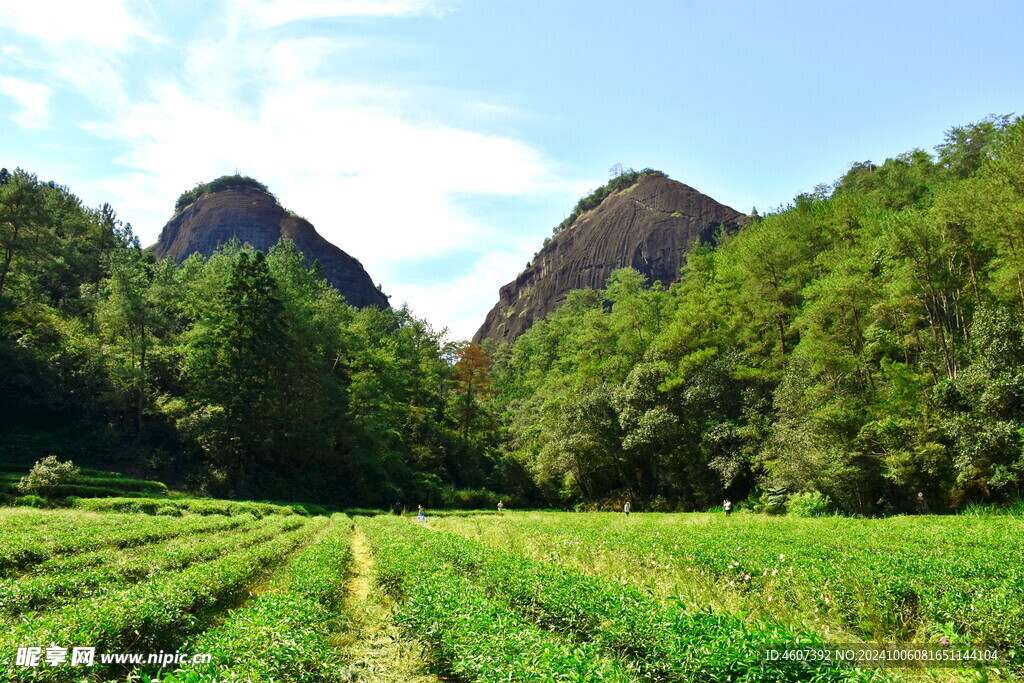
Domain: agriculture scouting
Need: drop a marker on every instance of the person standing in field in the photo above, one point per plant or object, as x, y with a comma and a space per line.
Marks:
727, 504
501, 506
422, 516
626, 508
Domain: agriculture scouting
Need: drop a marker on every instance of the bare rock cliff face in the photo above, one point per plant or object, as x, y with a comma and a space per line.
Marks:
255, 217
649, 227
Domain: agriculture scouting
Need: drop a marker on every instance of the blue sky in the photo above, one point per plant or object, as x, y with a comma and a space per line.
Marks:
439, 141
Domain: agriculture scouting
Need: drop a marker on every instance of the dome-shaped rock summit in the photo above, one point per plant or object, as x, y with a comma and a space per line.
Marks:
235, 206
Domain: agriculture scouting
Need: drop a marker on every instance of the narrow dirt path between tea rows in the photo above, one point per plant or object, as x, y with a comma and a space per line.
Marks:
373, 645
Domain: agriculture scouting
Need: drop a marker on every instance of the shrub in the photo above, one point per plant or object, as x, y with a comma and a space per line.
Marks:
226, 182
31, 501
47, 475
772, 501
808, 504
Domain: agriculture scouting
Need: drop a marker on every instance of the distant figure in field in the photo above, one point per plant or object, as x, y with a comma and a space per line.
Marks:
922, 507
627, 508
727, 504
397, 508
501, 506
422, 516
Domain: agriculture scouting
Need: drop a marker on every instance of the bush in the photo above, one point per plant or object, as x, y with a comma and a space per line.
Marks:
772, 501
31, 501
47, 476
808, 504
226, 182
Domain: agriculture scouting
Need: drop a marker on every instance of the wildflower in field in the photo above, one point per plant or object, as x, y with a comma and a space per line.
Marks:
782, 556
944, 640
746, 577
774, 572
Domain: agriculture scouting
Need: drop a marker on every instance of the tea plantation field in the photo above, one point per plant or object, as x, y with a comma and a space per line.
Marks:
262, 593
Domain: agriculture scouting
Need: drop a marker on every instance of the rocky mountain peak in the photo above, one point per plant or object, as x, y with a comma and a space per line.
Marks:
235, 206
649, 225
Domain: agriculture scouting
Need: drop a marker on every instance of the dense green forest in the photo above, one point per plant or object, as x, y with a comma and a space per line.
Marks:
243, 375
865, 343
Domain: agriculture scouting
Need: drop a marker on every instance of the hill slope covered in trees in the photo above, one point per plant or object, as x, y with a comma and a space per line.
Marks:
243, 374
865, 343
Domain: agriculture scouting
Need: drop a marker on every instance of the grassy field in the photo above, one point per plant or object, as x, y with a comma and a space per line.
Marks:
273, 594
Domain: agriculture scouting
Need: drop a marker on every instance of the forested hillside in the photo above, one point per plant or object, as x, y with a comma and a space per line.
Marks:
865, 343
857, 348
242, 375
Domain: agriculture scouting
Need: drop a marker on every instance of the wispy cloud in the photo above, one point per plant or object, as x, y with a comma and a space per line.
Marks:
106, 23
33, 98
277, 12
462, 301
332, 154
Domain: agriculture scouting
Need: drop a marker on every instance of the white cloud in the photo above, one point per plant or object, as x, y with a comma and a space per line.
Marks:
462, 302
33, 98
106, 23
328, 154
278, 12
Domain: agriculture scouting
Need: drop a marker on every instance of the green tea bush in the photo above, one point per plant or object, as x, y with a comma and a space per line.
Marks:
159, 613
125, 485
475, 637
193, 506
660, 643
290, 627
31, 501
